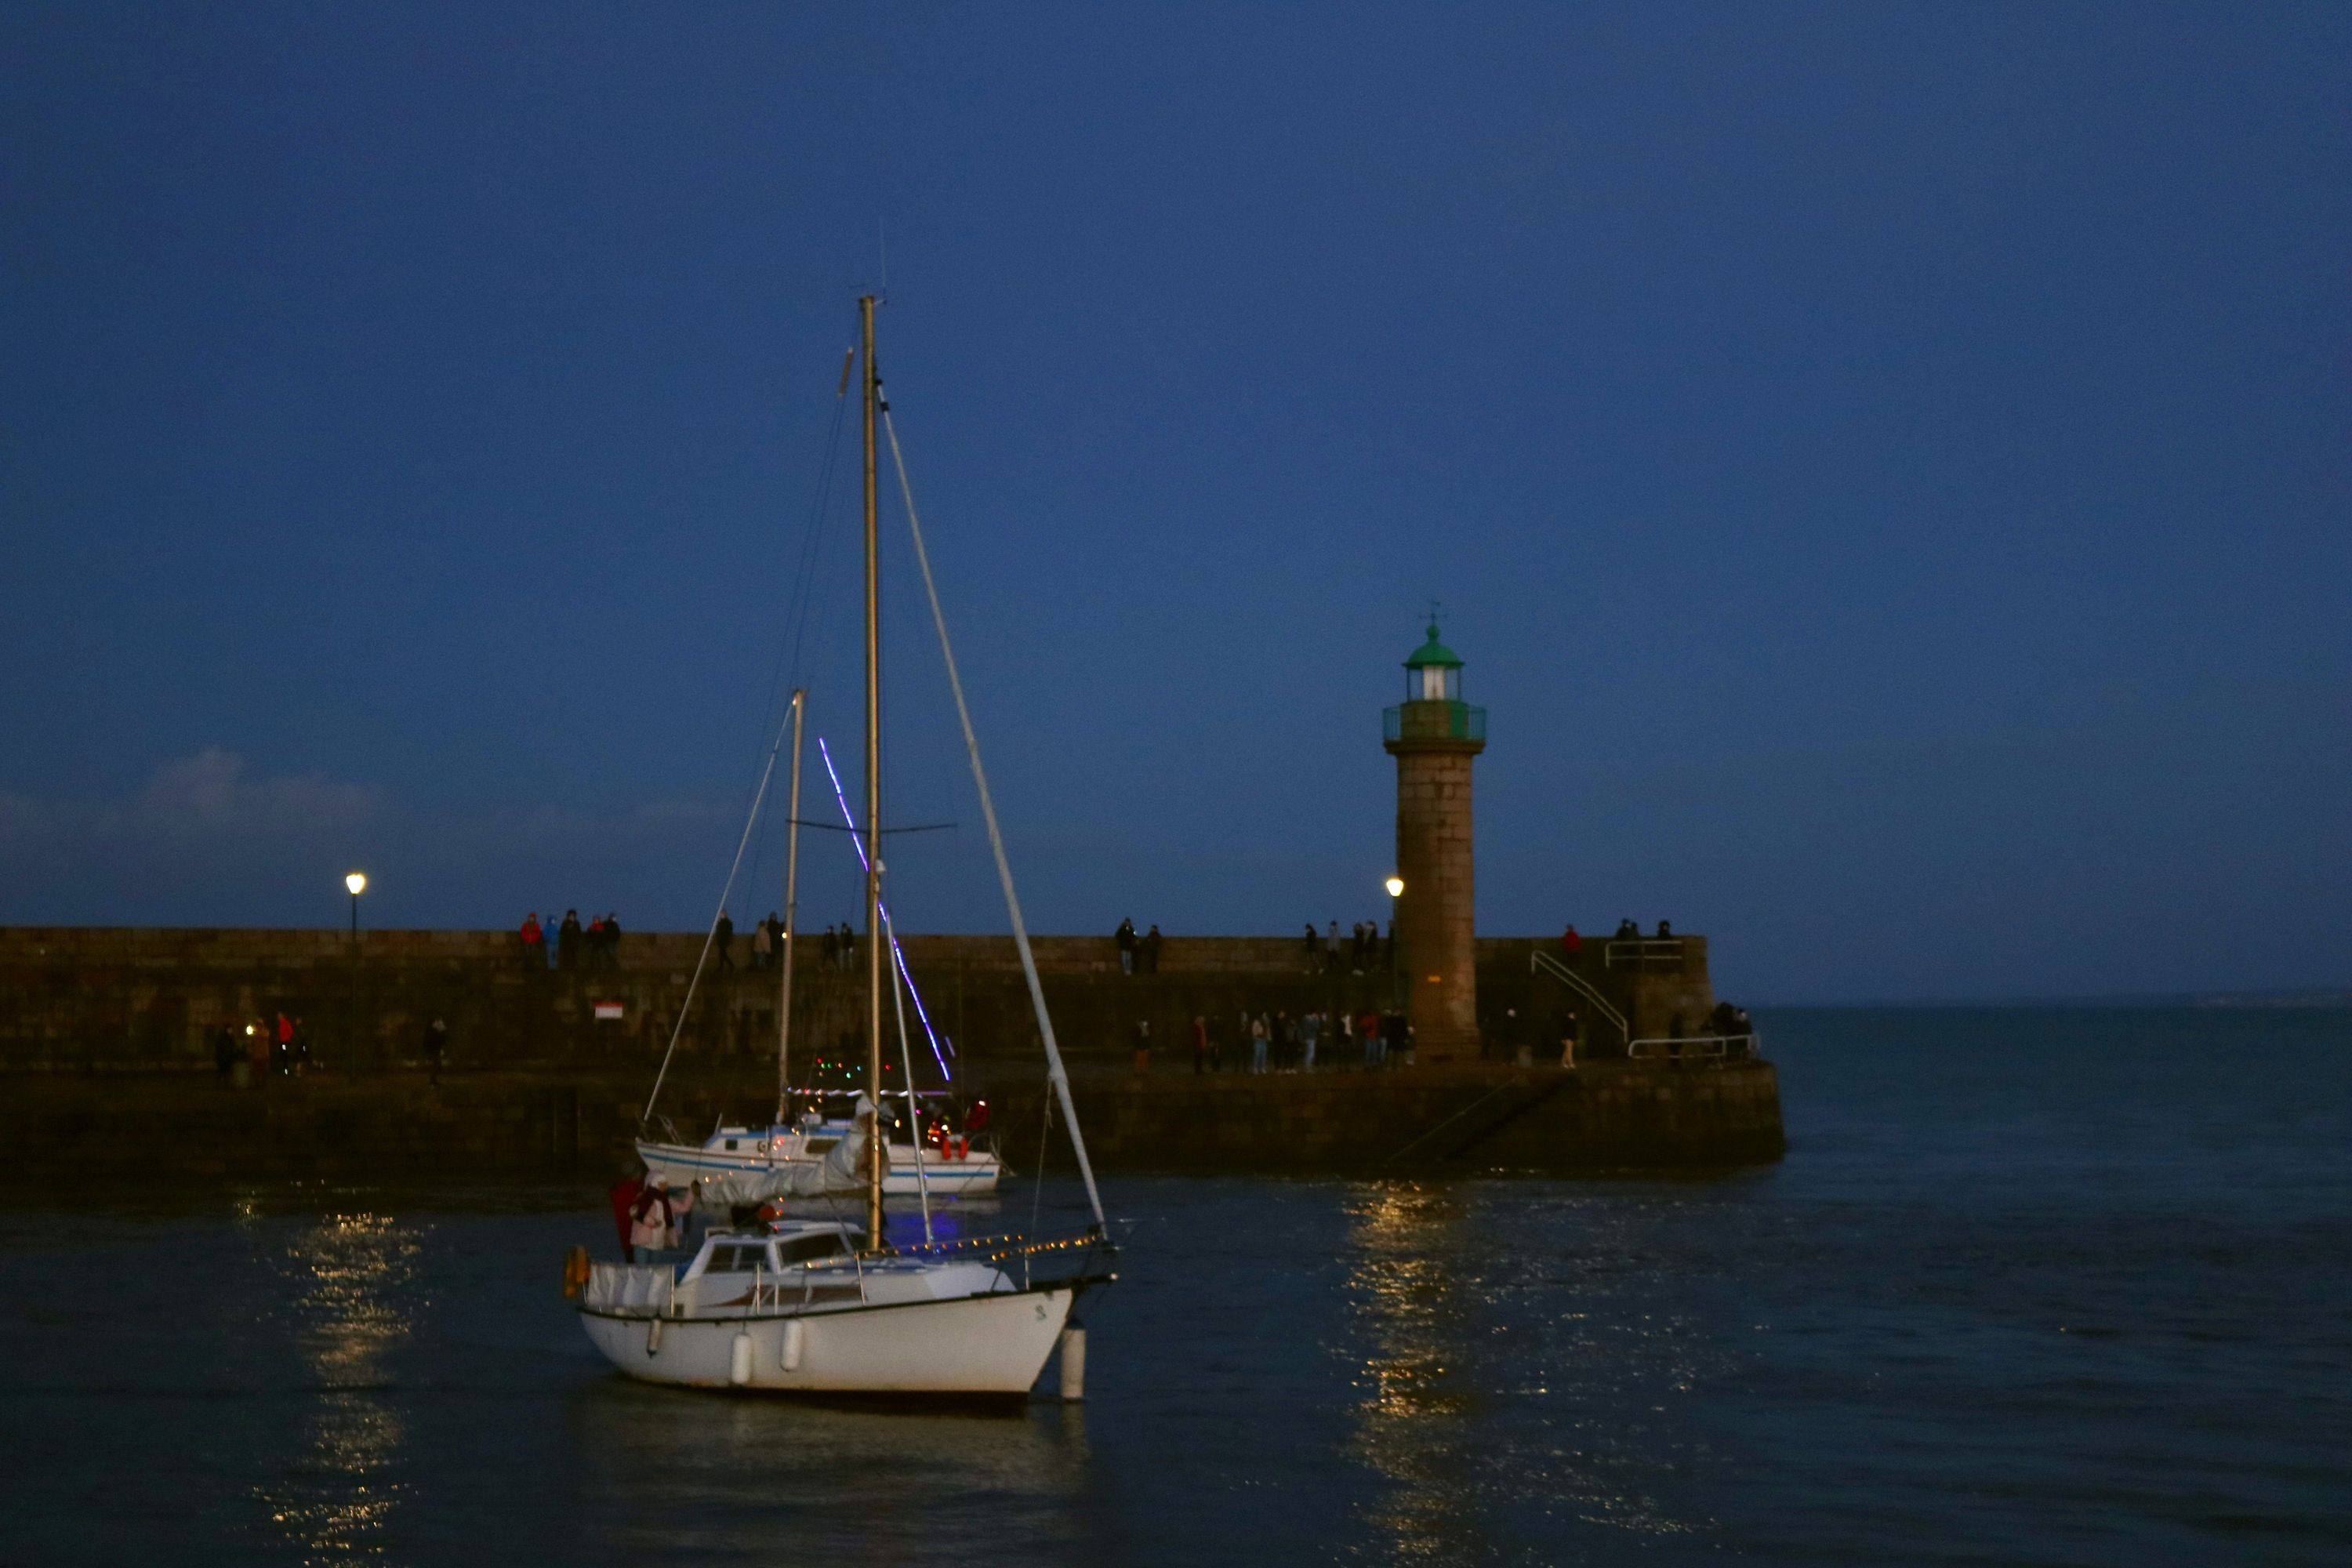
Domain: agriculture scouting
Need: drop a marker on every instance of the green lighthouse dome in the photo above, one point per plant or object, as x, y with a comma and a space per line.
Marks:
1434, 655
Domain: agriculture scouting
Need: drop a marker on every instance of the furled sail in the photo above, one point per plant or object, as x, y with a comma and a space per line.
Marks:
843, 1170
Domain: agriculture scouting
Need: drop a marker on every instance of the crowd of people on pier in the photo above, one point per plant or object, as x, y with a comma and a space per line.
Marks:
570, 944
1277, 1042
263, 1047
1367, 948
596, 945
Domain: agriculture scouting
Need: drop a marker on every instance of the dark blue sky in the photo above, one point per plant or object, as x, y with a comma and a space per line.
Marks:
1886, 467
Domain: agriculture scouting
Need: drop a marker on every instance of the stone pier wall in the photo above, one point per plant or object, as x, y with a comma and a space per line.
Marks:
113, 1000
82, 1130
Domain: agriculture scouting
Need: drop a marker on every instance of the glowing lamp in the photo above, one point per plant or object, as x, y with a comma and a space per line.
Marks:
1395, 885
356, 882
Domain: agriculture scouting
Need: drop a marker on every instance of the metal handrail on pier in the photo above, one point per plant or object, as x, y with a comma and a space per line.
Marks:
1640, 952
1542, 963
1698, 1048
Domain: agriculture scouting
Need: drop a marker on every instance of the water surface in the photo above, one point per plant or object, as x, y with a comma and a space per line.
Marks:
2059, 1285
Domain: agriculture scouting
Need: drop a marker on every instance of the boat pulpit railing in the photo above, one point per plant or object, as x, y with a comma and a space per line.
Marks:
1083, 1248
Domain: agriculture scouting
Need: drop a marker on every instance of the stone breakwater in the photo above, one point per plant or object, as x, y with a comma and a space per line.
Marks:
105, 1048
1602, 1118
95, 999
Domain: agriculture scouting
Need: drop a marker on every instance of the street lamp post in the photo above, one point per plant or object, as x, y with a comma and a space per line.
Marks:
1395, 885
357, 883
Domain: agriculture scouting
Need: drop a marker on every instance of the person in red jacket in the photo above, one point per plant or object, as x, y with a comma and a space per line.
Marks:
624, 1194
534, 943
1570, 944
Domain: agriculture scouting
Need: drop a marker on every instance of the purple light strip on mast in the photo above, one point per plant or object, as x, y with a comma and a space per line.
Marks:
890, 930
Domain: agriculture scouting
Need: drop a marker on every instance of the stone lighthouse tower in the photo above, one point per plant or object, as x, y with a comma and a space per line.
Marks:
1432, 735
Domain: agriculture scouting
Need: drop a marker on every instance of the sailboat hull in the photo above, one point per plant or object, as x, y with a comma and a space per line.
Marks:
974, 1176
994, 1345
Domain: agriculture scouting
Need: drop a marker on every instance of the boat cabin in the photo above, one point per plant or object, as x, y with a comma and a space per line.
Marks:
780, 1246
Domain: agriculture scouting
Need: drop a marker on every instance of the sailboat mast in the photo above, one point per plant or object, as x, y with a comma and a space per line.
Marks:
791, 911
873, 938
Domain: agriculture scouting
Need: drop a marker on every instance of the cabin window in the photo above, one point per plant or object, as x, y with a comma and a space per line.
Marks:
730, 1145
734, 1259
802, 1249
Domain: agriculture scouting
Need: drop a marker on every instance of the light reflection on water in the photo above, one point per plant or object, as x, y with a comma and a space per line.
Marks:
346, 1284
1505, 1395
1413, 1400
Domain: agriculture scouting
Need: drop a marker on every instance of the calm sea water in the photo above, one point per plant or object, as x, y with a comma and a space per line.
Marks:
2057, 1286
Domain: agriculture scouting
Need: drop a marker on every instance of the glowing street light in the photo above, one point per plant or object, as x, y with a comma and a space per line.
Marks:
357, 883
1395, 885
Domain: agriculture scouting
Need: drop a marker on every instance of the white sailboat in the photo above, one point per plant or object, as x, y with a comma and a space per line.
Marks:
799, 1305
929, 1161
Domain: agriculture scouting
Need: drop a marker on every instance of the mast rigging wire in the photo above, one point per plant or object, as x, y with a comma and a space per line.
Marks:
1053, 1068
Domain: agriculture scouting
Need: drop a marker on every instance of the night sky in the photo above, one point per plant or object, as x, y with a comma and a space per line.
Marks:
1886, 467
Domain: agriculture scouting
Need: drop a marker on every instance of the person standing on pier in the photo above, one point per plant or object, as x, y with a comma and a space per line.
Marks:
1570, 944
534, 940
1257, 1039
723, 937
1151, 941
1310, 1026
1124, 938
567, 941
763, 943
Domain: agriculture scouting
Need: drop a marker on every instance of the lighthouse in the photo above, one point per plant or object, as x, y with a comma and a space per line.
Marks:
1433, 735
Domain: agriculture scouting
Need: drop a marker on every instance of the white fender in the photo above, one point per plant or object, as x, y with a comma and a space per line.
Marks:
739, 1359
795, 1342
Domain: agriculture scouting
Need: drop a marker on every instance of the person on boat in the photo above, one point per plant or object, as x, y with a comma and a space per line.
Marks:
976, 1118
651, 1214
624, 1195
